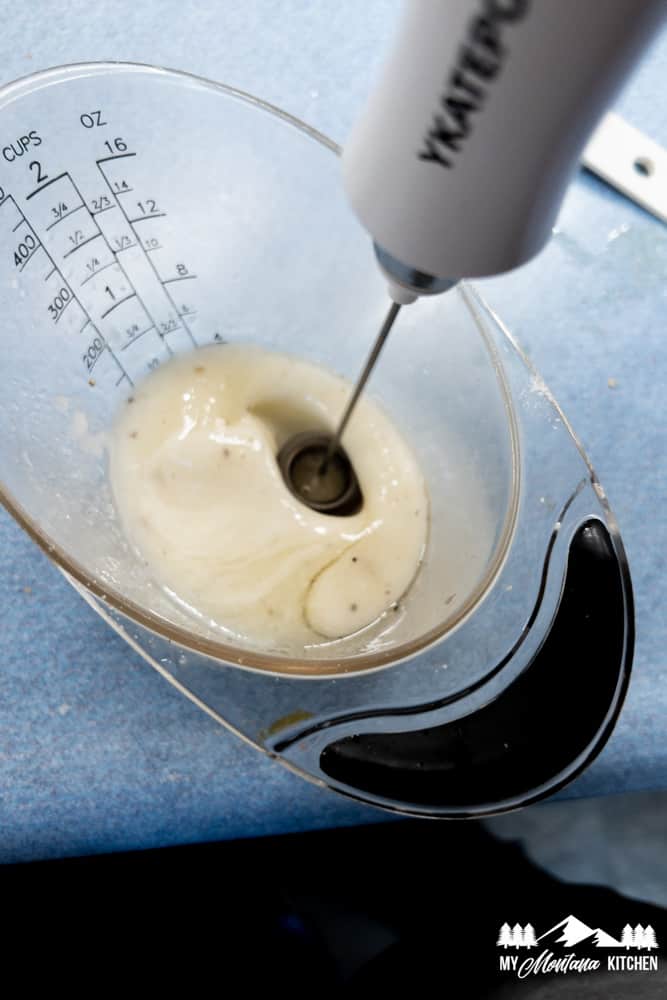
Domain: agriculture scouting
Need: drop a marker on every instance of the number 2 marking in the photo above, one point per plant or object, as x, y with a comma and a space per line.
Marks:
41, 176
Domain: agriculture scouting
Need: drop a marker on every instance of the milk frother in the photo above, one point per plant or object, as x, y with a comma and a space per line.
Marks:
459, 163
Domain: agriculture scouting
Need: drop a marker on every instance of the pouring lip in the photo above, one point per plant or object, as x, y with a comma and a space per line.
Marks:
306, 668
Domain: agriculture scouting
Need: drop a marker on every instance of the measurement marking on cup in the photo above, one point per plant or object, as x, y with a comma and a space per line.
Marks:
155, 271
123, 246
61, 311
62, 218
65, 284
181, 277
150, 215
94, 353
18, 224
116, 156
121, 249
119, 302
30, 256
98, 270
47, 184
137, 336
100, 210
81, 244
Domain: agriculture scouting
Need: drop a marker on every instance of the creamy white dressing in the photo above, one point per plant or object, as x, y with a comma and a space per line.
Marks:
195, 479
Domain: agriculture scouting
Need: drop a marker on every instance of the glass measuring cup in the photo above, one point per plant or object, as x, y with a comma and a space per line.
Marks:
143, 213
133, 239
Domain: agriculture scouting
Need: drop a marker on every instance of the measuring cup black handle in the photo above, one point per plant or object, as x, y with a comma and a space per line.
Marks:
538, 734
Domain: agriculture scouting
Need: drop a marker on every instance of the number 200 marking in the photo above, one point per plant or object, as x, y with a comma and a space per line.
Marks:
93, 353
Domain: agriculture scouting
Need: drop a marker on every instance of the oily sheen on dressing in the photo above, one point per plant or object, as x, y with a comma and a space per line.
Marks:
200, 496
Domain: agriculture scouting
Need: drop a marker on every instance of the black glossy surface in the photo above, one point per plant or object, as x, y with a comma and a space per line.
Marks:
536, 729
397, 909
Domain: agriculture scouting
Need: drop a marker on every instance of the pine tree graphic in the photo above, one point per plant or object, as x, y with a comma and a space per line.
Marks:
649, 938
529, 937
627, 938
638, 937
504, 937
517, 936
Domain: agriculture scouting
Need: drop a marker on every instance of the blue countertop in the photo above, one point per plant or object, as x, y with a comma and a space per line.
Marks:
99, 753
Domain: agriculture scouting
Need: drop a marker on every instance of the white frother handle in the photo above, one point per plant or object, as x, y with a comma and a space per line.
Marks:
459, 163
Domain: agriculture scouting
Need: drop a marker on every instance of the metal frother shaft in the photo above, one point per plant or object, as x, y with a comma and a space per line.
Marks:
361, 382
314, 464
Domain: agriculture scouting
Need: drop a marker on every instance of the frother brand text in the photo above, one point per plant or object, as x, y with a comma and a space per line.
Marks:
479, 61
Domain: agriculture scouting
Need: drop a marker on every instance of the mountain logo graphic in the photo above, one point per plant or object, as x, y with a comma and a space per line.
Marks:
571, 932
553, 952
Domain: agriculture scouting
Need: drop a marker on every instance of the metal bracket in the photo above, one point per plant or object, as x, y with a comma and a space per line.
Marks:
631, 162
